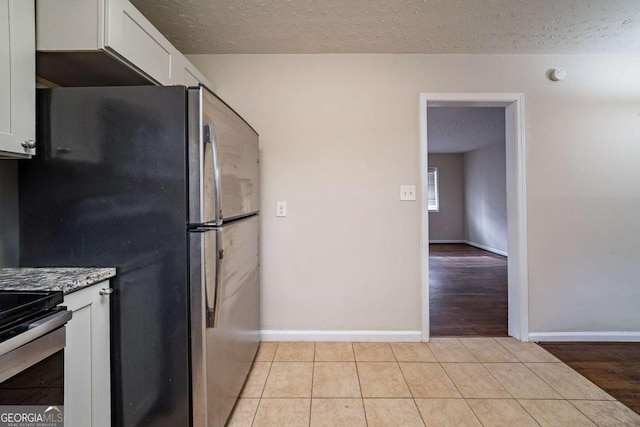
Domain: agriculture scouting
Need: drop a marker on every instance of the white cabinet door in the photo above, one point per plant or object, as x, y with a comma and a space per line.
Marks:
189, 75
87, 379
132, 36
69, 25
115, 27
17, 78
118, 29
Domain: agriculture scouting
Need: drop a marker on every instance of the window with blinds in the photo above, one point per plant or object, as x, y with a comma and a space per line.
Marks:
433, 204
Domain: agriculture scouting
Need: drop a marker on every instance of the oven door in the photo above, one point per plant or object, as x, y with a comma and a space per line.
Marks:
32, 363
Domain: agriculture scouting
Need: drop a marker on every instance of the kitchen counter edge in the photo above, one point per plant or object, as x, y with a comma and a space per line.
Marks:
67, 280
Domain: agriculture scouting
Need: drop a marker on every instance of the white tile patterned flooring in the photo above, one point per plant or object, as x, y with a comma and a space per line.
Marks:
446, 382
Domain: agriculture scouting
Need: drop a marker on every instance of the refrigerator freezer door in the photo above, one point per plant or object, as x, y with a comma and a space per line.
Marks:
223, 162
225, 298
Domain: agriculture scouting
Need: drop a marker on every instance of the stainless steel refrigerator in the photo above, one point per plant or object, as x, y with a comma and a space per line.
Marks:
163, 184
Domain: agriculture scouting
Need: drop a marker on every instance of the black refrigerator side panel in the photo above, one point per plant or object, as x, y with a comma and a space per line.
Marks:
108, 189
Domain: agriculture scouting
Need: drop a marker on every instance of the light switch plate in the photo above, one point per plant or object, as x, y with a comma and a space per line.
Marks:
407, 192
281, 208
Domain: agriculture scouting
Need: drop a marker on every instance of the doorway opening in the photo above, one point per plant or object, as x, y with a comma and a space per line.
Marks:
490, 224
467, 221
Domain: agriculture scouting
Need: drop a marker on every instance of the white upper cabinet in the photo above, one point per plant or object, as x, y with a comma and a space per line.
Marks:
106, 42
132, 36
17, 78
77, 29
189, 75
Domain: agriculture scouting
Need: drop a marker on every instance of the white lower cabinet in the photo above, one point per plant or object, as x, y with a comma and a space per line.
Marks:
87, 381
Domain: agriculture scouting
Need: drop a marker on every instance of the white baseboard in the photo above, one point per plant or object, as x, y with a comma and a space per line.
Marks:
447, 241
349, 336
486, 248
585, 336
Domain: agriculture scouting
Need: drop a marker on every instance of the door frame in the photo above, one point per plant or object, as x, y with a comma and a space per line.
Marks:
516, 200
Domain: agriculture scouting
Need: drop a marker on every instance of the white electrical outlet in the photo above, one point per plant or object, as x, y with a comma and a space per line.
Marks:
407, 192
281, 208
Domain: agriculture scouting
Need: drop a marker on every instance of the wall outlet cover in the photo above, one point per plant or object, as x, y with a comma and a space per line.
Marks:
407, 192
281, 208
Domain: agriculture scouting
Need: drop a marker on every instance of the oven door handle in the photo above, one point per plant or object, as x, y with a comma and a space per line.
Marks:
35, 331
31, 353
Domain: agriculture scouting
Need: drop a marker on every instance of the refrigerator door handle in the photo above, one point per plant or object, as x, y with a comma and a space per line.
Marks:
210, 318
213, 301
210, 138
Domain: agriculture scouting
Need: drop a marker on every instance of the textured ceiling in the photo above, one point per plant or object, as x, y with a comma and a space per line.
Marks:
462, 129
397, 26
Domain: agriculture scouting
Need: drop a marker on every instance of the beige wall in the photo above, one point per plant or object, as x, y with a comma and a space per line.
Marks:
485, 197
448, 222
340, 133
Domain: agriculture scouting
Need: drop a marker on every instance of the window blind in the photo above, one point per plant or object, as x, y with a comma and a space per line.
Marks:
433, 204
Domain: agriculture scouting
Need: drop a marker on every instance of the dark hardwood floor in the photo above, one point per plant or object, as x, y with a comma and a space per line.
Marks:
614, 367
467, 291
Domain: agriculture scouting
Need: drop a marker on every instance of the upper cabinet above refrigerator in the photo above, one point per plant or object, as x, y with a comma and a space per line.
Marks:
100, 42
106, 43
224, 149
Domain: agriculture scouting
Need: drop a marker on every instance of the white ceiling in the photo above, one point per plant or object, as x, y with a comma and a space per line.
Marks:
462, 129
397, 26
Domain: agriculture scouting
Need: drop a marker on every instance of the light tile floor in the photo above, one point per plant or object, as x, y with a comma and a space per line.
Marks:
446, 382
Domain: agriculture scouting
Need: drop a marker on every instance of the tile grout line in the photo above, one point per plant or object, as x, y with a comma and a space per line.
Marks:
474, 412
425, 344
497, 380
578, 409
265, 383
413, 398
364, 411
582, 376
546, 382
495, 342
505, 349
451, 379
508, 392
539, 377
466, 349
535, 420
529, 342
313, 372
459, 392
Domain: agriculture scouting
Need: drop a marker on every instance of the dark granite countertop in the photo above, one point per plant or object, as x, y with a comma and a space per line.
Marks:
52, 279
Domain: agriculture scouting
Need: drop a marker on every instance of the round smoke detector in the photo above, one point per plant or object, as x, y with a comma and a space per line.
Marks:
558, 74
